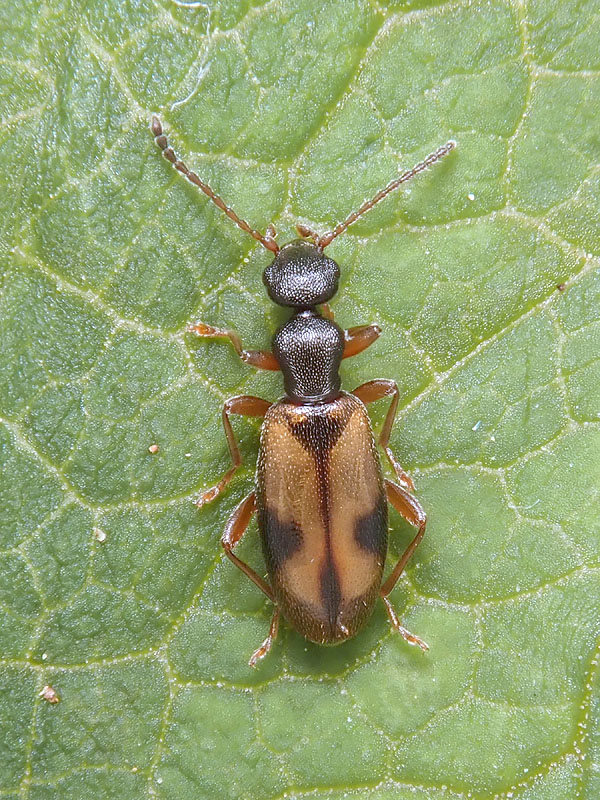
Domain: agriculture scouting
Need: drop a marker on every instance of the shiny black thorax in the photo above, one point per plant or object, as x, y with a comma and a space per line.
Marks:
309, 350
308, 346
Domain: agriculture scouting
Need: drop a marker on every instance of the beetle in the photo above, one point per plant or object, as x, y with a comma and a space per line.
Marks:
320, 497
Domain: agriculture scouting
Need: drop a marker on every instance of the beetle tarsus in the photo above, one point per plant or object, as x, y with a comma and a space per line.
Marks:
412, 639
262, 651
404, 478
207, 496
406, 634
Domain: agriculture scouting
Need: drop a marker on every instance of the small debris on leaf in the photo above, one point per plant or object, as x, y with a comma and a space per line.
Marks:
49, 695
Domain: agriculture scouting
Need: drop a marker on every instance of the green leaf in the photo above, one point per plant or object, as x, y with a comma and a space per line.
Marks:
113, 586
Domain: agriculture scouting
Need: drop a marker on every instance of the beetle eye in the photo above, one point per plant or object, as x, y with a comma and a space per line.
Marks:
301, 276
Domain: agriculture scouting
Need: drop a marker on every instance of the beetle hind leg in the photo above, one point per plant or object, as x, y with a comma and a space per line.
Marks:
409, 508
236, 527
406, 634
262, 651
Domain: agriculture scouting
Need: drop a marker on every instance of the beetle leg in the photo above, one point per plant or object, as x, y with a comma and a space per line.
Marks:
410, 508
268, 642
375, 390
236, 527
234, 530
327, 312
358, 339
262, 359
246, 406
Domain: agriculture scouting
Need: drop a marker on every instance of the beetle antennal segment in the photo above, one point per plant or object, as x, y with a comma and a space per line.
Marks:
267, 241
437, 155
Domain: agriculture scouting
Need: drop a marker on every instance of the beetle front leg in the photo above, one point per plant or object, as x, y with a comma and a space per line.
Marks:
375, 390
262, 359
236, 527
246, 406
356, 339
359, 338
410, 508
327, 312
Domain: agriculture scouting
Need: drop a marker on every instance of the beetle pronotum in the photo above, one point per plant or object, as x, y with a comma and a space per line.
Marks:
320, 497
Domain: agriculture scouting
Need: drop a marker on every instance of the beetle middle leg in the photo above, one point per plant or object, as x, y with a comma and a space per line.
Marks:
410, 508
375, 390
246, 406
236, 527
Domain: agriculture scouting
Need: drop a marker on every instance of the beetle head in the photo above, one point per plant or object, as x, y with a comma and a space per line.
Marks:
301, 276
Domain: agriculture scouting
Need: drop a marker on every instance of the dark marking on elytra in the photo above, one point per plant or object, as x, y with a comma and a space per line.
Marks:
319, 432
331, 593
280, 540
371, 529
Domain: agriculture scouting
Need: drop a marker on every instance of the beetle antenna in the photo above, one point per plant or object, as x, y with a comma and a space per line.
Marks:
437, 155
161, 140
